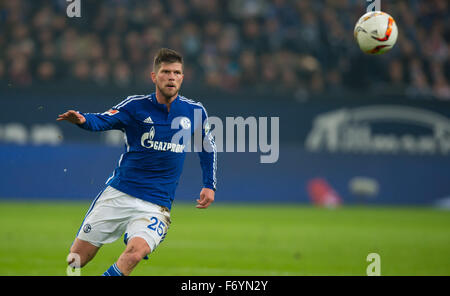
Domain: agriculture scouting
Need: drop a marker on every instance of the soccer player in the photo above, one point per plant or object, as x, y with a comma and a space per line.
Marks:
137, 198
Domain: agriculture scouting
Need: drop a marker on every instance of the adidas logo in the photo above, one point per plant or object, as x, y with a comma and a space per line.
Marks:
148, 120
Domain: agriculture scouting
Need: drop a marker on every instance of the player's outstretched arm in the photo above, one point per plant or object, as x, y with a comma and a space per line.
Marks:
111, 119
206, 198
72, 116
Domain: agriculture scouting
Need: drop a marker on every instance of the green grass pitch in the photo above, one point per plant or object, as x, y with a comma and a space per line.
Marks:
238, 239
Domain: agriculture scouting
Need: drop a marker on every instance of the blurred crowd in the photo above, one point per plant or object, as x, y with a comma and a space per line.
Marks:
299, 47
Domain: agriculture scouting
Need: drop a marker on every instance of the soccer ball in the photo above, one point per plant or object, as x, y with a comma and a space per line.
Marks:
376, 32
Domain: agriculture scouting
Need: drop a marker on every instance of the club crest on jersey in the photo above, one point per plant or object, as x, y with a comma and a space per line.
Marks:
111, 112
185, 123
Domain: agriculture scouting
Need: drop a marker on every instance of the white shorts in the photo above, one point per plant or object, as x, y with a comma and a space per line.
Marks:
114, 213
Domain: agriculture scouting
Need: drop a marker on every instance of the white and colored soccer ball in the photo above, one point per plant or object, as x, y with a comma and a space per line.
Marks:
376, 32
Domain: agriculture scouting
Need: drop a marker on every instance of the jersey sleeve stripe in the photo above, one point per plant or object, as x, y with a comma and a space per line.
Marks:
130, 99
213, 144
126, 100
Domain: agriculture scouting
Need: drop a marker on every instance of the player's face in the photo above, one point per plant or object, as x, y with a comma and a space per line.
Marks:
168, 79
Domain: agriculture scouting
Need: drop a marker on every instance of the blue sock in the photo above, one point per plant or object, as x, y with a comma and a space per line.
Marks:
113, 270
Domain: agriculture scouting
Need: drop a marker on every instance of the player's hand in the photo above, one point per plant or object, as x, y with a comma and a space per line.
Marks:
72, 116
206, 198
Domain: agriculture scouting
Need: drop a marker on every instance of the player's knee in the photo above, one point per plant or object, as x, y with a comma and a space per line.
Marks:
137, 252
81, 253
74, 260
133, 258
77, 259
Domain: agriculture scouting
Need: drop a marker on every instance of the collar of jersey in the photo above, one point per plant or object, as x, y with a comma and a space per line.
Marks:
162, 107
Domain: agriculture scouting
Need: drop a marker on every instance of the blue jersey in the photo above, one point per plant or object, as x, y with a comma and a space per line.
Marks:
155, 142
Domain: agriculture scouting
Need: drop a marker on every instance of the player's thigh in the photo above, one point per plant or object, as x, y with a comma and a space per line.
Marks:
107, 219
85, 250
152, 228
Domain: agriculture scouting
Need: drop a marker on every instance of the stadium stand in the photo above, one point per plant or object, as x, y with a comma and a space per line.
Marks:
303, 47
